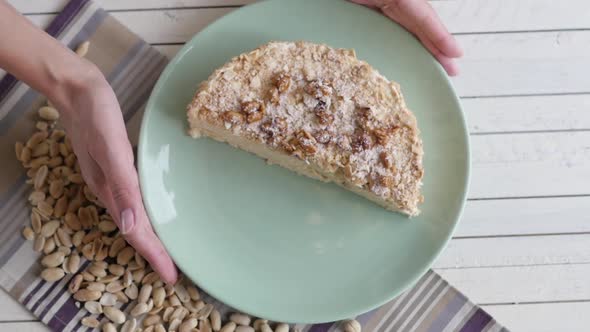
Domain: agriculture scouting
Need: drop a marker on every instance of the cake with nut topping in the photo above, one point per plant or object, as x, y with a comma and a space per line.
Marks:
320, 112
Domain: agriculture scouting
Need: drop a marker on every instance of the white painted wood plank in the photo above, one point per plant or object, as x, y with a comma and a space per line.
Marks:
12, 310
516, 284
170, 25
24, 327
494, 64
519, 63
510, 15
162, 26
459, 15
498, 64
524, 63
522, 165
529, 113
525, 216
450, 11
515, 251
543, 317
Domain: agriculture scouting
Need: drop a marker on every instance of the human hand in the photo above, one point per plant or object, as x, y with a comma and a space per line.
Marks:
93, 120
418, 17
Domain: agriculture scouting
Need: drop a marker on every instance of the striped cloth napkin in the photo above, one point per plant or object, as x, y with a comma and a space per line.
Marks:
132, 67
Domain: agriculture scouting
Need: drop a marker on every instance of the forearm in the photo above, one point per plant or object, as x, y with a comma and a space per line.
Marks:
42, 62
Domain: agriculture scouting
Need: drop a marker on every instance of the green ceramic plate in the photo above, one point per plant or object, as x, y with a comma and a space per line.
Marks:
275, 244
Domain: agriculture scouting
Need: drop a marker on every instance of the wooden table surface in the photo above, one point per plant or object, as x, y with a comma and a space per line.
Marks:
522, 250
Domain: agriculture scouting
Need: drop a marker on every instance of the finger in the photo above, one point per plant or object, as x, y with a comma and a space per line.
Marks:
124, 201
143, 239
411, 25
449, 65
147, 244
426, 21
115, 157
438, 34
446, 62
141, 236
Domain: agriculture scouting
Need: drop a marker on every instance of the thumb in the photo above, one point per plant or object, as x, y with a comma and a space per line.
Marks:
129, 213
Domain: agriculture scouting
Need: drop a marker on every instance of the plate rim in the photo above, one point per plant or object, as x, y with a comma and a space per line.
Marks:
391, 294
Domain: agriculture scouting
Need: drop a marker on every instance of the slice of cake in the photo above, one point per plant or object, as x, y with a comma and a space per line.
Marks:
320, 112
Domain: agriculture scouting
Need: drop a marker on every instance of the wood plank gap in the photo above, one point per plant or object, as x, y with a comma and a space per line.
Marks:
468, 237
526, 197
534, 302
471, 33
484, 133
527, 95
465, 267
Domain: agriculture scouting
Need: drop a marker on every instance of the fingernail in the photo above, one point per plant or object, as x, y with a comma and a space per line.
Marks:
127, 221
